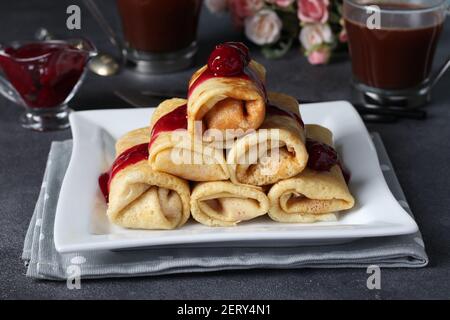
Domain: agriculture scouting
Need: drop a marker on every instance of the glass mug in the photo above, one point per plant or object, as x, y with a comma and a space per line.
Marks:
159, 35
392, 46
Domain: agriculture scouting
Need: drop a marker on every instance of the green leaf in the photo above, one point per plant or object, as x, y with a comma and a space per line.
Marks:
278, 49
289, 9
291, 26
334, 17
339, 9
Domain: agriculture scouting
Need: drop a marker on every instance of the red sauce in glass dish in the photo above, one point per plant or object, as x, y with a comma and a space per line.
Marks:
43, 73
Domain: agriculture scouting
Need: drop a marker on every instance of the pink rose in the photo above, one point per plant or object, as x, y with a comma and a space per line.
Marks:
314, 35
281, 3
264, 27
313, 10
241, 9
319, 56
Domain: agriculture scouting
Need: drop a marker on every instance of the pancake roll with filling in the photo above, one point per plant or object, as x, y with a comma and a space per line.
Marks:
172, 150
139, 197
227, 99
275, 151
312, 195
224, 204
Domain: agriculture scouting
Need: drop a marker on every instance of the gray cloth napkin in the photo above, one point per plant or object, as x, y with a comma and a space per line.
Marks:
44, 262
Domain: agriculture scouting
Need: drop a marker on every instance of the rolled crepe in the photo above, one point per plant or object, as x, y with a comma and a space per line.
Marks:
274, 152
223, 204
235, 102
175, 152
141, 198
312, 195
132, 138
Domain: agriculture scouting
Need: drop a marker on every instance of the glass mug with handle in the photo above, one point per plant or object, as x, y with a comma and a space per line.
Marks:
159, 35
392, 46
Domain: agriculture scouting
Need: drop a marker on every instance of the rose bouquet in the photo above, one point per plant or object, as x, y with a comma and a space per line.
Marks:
276, 25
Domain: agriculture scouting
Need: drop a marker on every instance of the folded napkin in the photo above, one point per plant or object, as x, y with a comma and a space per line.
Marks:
44, 262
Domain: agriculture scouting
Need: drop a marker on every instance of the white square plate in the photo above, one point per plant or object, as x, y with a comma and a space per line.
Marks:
81, 223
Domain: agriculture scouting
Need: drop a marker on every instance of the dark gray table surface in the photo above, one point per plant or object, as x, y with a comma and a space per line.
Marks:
420, 152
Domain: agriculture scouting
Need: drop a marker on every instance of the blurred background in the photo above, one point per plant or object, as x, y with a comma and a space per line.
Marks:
291, 73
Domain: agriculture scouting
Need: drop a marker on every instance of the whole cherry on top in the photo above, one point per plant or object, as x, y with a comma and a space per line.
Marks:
229, 59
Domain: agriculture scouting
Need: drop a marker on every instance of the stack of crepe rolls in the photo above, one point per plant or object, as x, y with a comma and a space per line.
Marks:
219, 102
275, 151
260, 167
213, 202
141, 198
311, 195
176, 153
224, 204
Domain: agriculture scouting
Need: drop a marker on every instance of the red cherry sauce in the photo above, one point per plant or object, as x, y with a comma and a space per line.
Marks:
323, 157
229, 60
274, 110
43, 73
128, 157
245, 52
176, 119
246, 74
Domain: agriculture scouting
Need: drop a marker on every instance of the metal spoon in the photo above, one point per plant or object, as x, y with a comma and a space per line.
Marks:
104, 64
